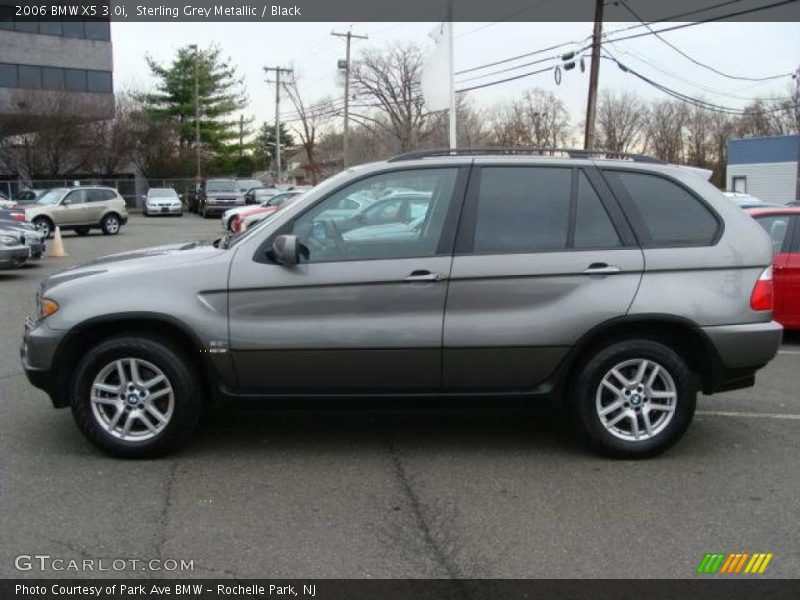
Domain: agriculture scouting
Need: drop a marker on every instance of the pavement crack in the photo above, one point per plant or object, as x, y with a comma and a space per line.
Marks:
163, 517
415, 503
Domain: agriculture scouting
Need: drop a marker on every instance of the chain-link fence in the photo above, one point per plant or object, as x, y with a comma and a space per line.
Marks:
132, 189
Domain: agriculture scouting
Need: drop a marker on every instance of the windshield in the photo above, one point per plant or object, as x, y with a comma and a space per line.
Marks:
53, 196
162, 193
222, 185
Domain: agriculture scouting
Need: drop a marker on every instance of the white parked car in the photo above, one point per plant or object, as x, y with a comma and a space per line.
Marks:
162, 201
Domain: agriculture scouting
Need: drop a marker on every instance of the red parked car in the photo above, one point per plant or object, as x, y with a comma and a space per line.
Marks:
783, 226
274, 204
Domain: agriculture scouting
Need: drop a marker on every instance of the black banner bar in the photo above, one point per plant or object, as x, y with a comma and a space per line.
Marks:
734, 588
398, 10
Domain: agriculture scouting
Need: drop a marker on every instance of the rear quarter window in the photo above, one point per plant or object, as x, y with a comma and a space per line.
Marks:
664, 213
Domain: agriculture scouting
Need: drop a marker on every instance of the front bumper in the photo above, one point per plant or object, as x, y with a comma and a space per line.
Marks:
741, 350
164, 210
39, 343
12, 257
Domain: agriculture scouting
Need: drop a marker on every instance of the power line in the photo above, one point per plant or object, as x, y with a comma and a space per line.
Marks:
689, 99
693, 60
506, 80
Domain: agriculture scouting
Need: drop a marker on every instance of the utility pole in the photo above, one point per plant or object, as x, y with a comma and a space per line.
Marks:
594, 73
198, 176
277, 82
346, 133
451, 58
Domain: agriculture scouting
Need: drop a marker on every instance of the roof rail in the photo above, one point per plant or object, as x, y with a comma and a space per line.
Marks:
522, 150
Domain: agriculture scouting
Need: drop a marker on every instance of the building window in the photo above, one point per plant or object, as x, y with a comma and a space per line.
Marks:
55, 78
51, 28
75, 79
98, 82
740, 184
52, 78
8, 76
98, 30
74, 28
29, 76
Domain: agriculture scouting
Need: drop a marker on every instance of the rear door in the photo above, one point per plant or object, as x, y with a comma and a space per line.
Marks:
98, 201
543, 255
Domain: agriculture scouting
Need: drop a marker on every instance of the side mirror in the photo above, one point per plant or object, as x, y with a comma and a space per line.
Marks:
287, 250
66, 202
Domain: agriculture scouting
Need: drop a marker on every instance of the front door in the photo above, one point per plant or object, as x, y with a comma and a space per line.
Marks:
74, 208
542, 256
364, 311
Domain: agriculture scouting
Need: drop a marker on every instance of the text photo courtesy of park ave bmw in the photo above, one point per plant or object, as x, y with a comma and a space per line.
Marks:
399, 299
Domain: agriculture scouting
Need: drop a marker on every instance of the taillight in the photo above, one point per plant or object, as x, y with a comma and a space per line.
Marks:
763, 297
18, 217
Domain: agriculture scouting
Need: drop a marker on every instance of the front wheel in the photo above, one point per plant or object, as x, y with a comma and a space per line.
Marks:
135, 397
44, 226
634, 399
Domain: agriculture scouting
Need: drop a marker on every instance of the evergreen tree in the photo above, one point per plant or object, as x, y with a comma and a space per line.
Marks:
264, 144
220, 92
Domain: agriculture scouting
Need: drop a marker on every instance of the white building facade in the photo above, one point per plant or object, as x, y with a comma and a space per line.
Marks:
766, 168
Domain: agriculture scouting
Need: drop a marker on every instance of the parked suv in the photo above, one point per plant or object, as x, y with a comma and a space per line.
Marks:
619, 287
80, 209
218, 195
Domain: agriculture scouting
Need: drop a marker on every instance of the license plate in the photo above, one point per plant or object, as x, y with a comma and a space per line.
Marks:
164, 210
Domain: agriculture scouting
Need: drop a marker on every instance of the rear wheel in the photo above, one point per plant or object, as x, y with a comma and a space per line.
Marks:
634, 399
135, 397
110, 224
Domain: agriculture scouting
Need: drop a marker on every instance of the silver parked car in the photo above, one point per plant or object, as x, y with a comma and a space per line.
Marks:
162, 201
619, 287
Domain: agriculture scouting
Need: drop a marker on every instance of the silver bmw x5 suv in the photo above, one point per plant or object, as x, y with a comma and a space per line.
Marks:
616, 285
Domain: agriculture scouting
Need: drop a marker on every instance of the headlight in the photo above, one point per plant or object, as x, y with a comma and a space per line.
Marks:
47, 307
9, 240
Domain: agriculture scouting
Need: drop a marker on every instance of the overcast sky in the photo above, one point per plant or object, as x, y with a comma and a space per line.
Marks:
742, 49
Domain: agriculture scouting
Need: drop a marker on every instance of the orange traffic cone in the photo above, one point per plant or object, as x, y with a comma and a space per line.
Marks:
57, 249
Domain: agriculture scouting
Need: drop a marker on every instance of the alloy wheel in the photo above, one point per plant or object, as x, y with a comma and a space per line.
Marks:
112, 224
132, 399
636, 399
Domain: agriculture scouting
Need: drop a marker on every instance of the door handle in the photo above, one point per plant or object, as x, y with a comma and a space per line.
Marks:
417, 276
601, 269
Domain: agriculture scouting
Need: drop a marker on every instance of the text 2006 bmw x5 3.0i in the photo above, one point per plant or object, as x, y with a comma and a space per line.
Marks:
618, 286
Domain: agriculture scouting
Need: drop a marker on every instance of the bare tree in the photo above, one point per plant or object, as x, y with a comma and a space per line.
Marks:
665, 122
310, 119
620, 121
52, 143
698, 137
538, 119
387, 86
112, 140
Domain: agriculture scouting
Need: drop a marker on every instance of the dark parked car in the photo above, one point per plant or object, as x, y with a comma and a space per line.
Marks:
619, 288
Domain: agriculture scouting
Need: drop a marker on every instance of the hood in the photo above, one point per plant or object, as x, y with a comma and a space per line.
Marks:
150, 259
236, 194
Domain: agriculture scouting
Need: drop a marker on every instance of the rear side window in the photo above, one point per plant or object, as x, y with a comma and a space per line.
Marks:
668, 214
101, 195
523, 209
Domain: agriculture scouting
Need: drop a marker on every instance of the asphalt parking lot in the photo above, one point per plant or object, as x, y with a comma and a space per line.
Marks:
392, 494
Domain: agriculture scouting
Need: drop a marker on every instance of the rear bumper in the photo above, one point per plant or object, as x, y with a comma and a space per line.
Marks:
741, 350
13, 256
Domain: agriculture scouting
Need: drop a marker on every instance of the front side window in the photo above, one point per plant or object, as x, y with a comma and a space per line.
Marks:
523, 209
668, 213
330, 232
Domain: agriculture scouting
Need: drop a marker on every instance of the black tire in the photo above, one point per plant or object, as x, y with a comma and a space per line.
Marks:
174, 365
82, 231
589, 378
44, 225
111, 224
